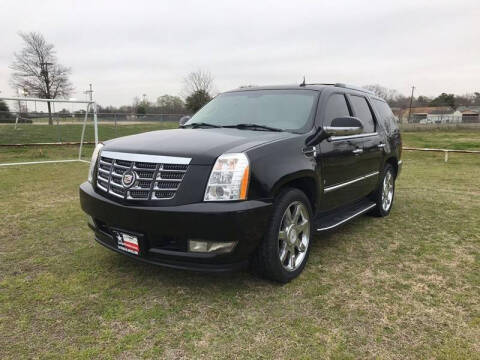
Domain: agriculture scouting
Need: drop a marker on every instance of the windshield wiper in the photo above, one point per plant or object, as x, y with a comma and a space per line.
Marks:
253, 127
199, 125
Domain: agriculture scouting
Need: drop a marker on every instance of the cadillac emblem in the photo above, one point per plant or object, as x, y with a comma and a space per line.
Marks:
128, 179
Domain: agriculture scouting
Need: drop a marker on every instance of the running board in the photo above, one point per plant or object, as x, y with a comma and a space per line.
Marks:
332, 220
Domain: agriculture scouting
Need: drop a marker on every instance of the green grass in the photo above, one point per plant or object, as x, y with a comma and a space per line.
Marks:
28, 133
406, 286
454, 139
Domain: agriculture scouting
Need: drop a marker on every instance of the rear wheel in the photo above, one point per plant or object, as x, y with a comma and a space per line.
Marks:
385, 193
284, 251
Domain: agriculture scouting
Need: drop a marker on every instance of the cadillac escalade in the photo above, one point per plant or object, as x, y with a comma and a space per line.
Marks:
248, 180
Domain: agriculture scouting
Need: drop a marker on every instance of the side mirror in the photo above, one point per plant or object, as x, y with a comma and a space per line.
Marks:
183, 120
344, 126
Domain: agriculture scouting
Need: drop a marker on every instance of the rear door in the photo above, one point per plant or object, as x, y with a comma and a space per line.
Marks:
369, 145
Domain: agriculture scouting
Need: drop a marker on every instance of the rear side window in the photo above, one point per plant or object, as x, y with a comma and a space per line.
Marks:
336, 107
362, 111
386, 116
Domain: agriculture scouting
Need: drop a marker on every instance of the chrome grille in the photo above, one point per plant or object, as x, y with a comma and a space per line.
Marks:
155, 177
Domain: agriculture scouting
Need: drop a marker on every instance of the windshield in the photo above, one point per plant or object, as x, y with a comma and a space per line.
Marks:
290, 110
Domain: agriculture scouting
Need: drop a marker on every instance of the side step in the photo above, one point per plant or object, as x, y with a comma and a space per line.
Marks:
331, 220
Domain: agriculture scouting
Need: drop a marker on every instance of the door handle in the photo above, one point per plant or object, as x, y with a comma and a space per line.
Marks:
311, 151
381, 145
357, 151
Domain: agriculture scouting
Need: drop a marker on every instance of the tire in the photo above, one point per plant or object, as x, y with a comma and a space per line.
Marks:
385, 193
288, 237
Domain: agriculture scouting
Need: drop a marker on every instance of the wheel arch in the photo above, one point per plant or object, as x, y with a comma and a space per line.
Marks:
394, 162
304, 181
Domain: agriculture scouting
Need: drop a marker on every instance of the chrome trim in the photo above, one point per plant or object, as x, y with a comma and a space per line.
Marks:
160, 179
336, 138
338, 186
371, 206
114, 193
140, 165
101, 187
146, 158
121, 166
156, 198
343, 130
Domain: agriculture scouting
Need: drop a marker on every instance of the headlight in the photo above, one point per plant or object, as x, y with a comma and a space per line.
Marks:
93, 162
229, 178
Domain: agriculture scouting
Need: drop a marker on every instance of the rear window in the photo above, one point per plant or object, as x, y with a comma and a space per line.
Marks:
386, 115
362, 111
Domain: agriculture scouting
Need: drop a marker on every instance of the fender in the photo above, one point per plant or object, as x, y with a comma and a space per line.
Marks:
307, 174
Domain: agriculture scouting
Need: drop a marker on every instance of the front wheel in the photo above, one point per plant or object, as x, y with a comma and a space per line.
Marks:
284, 251
385, 193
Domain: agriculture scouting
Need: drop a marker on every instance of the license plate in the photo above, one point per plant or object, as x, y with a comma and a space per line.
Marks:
127, 243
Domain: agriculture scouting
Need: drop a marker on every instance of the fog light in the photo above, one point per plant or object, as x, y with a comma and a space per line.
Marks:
202, 246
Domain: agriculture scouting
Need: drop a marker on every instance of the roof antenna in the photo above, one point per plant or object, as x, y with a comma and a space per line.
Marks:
303, 82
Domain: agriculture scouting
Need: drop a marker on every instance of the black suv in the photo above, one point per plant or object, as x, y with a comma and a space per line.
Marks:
247, 180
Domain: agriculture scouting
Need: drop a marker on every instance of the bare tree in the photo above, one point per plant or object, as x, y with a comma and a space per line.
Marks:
383, 92
37, 71
200, 80
391, 96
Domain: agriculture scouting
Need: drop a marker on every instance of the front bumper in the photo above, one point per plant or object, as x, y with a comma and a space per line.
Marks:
163, 232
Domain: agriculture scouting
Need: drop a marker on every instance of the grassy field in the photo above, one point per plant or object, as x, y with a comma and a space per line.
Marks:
456, 139
451, 139
28, 133
407, 286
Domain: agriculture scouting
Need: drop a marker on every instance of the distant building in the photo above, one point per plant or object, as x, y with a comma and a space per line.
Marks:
440, 115
470, 116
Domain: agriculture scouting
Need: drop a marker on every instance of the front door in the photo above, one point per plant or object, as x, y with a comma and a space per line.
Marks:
350, 164
339, 158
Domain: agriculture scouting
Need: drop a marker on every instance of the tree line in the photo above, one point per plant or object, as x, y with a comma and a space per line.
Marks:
197, 85
398, 100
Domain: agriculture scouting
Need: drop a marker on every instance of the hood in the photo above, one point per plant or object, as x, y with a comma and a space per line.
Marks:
203, 146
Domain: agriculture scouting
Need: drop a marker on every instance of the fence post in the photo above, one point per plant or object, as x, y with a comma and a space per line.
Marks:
83, 132
446, 155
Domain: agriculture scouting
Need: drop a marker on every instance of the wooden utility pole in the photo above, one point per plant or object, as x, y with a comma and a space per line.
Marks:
410, 109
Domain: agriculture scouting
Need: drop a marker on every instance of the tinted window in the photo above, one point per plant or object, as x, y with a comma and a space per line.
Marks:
336, 107
386, 116
362, 111
284, 109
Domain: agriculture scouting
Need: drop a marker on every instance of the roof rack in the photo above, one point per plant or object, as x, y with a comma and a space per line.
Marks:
341, 85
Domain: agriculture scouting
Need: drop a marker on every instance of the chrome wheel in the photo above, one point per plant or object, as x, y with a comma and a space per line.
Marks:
387, 191
294, 236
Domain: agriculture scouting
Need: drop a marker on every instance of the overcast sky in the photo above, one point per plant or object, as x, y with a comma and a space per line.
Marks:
130, 48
